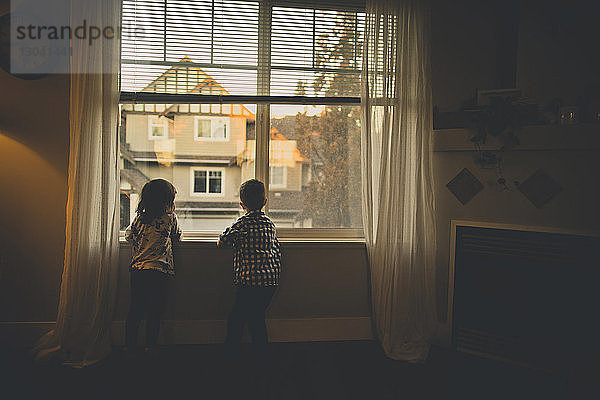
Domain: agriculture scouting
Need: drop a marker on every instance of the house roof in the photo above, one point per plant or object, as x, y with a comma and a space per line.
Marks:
282, 151
188, 79
185, 79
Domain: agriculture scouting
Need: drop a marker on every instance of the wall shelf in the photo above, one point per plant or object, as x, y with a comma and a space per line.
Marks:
580, 137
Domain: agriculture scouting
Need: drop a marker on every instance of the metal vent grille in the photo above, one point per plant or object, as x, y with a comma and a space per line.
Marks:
508, 349
524, 296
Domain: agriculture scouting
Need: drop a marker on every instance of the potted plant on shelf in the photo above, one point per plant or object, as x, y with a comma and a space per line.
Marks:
499, 120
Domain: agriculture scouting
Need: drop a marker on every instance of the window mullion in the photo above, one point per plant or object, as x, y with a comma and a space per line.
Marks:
165, 32
261, 167
212, 33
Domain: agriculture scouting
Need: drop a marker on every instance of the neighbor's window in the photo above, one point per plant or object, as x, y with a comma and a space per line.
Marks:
277, 175
207, 181
208, 128
157, 127
176, 78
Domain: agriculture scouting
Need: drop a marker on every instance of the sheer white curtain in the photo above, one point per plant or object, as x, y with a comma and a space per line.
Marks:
88, 288
398, 203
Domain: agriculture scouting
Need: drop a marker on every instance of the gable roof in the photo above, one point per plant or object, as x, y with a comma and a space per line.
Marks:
185, 79
188, 79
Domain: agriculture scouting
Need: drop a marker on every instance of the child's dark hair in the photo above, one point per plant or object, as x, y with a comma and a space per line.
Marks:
157, 198
252, 194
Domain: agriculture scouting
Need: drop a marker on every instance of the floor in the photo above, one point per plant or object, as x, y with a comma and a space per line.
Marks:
330, 370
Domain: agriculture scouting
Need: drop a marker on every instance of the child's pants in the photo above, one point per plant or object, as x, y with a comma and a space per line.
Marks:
148, 294
249, 306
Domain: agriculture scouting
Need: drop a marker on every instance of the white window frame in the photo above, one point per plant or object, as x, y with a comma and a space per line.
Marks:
282, 185
207, 170
227, 124
262, 167
151, 124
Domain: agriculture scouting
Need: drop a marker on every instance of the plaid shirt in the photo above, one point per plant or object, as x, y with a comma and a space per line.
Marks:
257, 257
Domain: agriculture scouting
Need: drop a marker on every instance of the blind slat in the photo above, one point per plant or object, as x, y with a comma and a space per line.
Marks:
192, 46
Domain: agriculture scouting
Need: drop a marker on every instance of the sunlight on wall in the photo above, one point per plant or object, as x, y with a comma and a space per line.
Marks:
29, 186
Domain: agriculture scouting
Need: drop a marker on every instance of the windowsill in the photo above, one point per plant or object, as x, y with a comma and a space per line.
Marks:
294, 237
285, 243
211, 140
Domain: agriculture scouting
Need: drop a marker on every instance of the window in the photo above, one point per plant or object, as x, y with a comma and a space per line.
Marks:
157, 127
277, 175
207, 182
266, 89
211, 129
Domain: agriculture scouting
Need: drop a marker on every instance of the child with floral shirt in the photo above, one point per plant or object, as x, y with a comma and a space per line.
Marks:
151, 235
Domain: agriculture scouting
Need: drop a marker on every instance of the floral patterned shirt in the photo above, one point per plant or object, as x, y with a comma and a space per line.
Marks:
257, 256
151, 244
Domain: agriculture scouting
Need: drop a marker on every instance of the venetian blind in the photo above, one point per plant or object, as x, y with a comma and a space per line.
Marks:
241, 47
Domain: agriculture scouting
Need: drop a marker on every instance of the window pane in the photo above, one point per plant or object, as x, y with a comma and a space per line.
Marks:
204, 128
206, 173
317, 52
211, 44
199, 181
157, 131
220, 131
125, 211
319, 146
157, 125
214, 182
276, 176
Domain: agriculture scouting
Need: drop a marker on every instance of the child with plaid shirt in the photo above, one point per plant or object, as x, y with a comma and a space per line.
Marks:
256, 268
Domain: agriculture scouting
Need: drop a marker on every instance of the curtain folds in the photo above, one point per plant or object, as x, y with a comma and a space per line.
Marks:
398, 196
88, 288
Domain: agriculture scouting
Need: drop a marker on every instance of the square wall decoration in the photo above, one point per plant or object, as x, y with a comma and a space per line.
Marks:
464, 186
540, 188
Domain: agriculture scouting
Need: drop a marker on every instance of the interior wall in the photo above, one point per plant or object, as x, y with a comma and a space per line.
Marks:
463, 51
33, 160
317, 281
574, 208
557, 56
555, 60
33, 170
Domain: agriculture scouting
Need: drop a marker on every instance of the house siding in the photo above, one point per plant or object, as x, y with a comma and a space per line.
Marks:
181, 140
180, 176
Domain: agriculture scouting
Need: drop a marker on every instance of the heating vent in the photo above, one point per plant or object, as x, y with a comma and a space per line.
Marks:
525, 297
510, 349
526, 247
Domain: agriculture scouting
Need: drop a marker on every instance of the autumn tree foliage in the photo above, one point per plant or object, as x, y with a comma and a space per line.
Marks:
331, 140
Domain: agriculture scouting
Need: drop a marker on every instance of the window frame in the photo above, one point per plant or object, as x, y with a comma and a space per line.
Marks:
208, 170
263, 100
227, 125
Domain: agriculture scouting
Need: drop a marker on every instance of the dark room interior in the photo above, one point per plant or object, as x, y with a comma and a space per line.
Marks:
482, 284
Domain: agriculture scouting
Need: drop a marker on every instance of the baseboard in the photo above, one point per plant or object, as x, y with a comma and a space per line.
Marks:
18, 334
23, 334
280, 330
